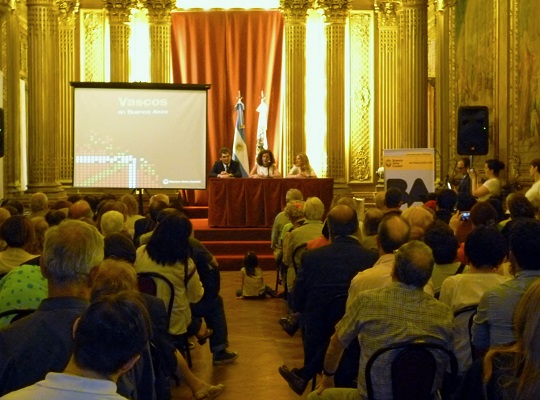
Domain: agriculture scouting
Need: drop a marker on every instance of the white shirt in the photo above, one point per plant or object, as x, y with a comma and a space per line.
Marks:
534, 190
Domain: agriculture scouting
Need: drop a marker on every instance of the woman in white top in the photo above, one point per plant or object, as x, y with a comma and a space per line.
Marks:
265, 166
301, 168
168, 253
491, 187
535, 174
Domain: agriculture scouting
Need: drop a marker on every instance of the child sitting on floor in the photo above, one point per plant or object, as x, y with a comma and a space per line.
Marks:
252, 279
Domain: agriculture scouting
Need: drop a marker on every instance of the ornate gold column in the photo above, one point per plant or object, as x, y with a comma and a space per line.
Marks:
43, 97
159, 16
387, 110
335, 13
442, 88
413, 73
13, 62
68, 10
119, 13
295, 13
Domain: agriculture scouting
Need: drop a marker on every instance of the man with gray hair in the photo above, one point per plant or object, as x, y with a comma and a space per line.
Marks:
400, 312
39, 205
41, 342
281, 220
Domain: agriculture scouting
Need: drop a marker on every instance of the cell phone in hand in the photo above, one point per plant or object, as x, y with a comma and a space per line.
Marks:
465, 215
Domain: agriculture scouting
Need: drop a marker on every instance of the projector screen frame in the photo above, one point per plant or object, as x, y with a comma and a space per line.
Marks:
145, 86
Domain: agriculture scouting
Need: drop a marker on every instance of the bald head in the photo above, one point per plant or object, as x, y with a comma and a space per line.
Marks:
39, 202
81, 209
414, 264
393, 232
342, 221
379, 200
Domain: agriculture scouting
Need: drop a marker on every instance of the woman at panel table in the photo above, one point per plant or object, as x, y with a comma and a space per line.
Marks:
265, 166
301, 168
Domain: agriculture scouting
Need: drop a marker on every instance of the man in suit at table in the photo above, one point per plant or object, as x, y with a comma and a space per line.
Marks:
226, 167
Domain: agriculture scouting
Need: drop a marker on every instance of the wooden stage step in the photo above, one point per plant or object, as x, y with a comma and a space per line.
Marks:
229, 245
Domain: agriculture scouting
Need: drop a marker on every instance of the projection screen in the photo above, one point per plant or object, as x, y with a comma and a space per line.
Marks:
139, 135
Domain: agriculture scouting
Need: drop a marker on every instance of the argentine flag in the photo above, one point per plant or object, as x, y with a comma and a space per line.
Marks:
240, 153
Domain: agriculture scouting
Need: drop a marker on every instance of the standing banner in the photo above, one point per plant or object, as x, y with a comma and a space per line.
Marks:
412, 171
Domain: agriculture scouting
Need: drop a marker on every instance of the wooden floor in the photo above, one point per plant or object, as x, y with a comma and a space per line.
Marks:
254, 332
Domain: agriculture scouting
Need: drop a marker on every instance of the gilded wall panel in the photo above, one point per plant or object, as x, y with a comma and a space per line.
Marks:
473, 70
361, 88
93, 45
524, 86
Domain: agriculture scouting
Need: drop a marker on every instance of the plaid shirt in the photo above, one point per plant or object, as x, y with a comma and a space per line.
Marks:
382, 317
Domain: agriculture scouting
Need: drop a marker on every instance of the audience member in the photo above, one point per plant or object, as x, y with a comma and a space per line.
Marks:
419, 219
168, 253
54, 217
310, 229
302, 168
281, 220
446, 202
486, 249
493, 323
535, 174
116, 276
400, 312
511, 371
18, 232
61, 205
39, 205
112, 222
40, 227
226, 167
132, 212
393, 232
16, 204
111, 205
252, 279
108, 340
379, 200
265, 166
393, 200
80, 210
440, 238
41, 342
492, 186
148, 223
519, 206
372, 219
325, 273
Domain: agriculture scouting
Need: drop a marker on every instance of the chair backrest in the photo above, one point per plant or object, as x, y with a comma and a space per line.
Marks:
17, 313
413, 369
147, 284
469, 312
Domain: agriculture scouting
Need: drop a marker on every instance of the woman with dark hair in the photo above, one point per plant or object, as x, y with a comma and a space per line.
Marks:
511, 371
302, 167
265, 166
534, 172
168, 253
492, 186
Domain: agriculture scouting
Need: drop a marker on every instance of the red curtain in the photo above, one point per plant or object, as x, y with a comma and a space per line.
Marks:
233, 51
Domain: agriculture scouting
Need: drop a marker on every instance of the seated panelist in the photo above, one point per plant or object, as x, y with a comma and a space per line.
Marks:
226, 167
301, 168
265, 166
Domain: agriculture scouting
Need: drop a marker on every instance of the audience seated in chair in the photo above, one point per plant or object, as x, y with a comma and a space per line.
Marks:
493, 323
41, 342
108, 340
325, 273
486, 249
379, 318
282, 219
116, 276
510, 371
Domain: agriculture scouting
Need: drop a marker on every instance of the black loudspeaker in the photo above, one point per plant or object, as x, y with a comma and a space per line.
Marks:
1, 132
473, 131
